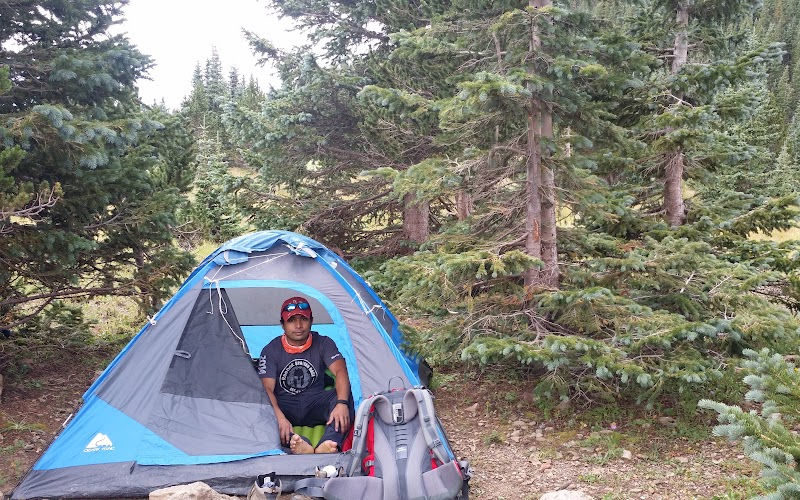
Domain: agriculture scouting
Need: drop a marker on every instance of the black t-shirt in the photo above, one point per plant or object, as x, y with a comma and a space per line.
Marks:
296, 373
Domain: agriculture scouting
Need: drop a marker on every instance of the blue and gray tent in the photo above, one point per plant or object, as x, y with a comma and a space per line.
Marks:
182, 402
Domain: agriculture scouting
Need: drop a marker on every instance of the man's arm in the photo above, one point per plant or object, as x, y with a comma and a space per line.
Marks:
284, 426
340, 414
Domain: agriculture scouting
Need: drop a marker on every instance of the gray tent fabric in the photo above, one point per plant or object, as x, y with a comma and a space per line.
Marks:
126, 479
250, 306
138, 376
373, 355
182, 402
209, 361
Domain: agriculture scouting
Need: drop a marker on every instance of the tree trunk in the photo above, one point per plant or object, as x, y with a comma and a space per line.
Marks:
533, 205
537, 217
673, 190
415, 219
549, 240
674, 208
464, 204
680, 53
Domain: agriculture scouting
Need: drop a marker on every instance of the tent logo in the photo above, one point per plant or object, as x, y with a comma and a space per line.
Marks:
100, 442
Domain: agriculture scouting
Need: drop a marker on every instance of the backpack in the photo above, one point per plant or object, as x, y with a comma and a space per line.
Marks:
399, 452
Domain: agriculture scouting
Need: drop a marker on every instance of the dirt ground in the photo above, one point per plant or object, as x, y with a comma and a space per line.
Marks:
516, 452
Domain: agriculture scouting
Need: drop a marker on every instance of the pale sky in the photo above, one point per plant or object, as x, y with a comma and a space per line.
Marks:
178, 34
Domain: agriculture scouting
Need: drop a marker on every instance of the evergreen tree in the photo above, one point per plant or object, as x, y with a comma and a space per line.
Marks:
212, 78
330, 136
767, 432
636, 306
234, 84
251, 96
686, 135
792, 142
80, 212
447, 103
217, 91
196, 105
213, 213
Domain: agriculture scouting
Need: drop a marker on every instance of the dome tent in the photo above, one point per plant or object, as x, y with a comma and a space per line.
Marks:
182, 401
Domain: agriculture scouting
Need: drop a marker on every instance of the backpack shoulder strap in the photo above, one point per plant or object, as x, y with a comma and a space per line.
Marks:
428, 423
360, 425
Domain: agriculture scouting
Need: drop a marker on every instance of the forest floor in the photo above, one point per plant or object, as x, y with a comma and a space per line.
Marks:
517, 449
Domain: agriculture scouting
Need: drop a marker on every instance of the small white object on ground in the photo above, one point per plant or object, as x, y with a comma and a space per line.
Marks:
566, 495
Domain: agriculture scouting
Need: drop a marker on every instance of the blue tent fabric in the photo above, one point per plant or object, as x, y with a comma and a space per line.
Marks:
182, 402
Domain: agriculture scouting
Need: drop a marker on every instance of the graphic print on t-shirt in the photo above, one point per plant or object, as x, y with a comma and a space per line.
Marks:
297, 376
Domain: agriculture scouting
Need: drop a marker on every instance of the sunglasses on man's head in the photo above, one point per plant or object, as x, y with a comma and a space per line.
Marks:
302, 306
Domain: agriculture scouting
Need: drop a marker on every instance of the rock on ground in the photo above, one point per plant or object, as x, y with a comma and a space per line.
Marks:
566, 495
193, 491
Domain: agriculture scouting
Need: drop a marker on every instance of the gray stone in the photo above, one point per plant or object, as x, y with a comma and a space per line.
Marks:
193, 491
566, 495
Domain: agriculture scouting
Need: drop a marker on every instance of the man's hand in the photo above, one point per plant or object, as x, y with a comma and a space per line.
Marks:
285, 429
340, 416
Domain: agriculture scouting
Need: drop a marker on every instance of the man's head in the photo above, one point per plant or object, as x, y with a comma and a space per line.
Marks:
296, 319
295, 306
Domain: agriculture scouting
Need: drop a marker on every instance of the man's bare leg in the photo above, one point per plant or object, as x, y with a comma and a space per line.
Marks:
327, 447
299, 446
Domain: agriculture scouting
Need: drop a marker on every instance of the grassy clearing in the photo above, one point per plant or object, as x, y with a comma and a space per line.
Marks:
778, 236
111, 316
204, 249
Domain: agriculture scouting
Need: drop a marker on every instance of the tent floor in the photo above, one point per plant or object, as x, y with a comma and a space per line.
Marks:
125, 480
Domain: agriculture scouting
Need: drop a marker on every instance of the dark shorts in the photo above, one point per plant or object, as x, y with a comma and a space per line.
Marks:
314, 409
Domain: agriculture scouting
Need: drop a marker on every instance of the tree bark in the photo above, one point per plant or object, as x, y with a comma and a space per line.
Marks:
533, 205
415, 219
539, 210
680, 51
549, 239
674, 208
673, 190
464, 204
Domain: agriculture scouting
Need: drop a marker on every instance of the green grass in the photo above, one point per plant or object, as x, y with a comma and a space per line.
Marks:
590, 478
599, 417
609, 445
741, 488
11, 426
12, 448
442, 379
494, 437
112, 317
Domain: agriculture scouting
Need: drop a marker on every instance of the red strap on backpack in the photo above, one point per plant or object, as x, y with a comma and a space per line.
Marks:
368, 463
434, 462
348, 440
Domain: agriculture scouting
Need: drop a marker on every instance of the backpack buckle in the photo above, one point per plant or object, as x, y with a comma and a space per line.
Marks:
397, 413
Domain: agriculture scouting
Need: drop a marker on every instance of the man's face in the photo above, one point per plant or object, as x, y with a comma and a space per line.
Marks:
297, 329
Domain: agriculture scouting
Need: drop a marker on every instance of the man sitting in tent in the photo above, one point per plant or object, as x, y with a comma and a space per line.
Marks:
292, 369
